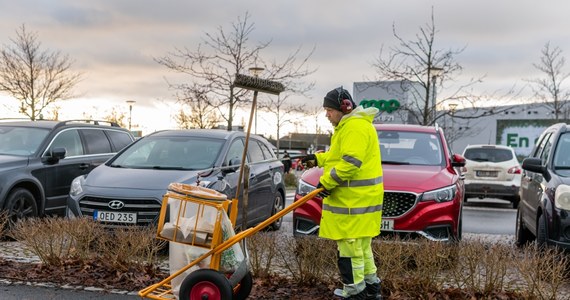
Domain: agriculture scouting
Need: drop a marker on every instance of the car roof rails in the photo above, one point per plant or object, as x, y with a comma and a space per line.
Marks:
95, 122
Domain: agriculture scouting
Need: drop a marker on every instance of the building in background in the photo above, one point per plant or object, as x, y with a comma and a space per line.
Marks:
389, 97
517, 126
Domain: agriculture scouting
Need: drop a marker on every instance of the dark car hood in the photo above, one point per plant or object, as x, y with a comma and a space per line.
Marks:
8, 162
144, 179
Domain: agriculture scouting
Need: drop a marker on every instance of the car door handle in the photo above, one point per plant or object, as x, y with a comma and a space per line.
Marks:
84, 166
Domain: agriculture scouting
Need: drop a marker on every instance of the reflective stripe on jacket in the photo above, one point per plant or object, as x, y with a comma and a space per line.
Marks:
353, 175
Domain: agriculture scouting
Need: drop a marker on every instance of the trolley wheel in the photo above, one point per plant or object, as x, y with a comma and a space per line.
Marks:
243, 289
205, 284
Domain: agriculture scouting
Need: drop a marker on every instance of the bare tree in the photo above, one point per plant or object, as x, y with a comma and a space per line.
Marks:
281, 110
549, 88
417, 61
201, 113
225, 53
53, 113
116, 116
36, 78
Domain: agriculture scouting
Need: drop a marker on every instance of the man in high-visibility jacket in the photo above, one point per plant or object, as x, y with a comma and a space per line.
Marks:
353, 193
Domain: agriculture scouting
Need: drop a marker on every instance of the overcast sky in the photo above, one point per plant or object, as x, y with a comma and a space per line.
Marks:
113, 42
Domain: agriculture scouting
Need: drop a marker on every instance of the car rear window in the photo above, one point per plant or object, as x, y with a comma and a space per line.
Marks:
488, 154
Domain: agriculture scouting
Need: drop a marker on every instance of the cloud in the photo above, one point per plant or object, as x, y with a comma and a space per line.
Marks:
114, 42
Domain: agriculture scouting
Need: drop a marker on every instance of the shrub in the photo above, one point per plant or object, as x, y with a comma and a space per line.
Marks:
3, 223
309, 260
57, 240
290, 179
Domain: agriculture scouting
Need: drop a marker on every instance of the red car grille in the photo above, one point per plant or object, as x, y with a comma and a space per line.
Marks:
397, 204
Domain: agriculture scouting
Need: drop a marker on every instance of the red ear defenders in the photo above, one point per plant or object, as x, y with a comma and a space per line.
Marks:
345, 104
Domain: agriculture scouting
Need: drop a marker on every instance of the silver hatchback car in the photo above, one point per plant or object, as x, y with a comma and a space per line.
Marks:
492, 171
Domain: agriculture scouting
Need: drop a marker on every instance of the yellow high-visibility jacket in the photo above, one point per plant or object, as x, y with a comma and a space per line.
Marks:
353, 175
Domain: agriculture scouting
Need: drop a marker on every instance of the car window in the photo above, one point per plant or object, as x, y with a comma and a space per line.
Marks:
562, 153
546, 151
187, 153
70, 140
96, 141
495, 155
21, 140
235, 152
268, 154
119, 139
540, 147
255, 152
402, 147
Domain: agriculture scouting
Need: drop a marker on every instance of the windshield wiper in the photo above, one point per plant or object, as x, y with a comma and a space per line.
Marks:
390, 162
171, 168
116, 166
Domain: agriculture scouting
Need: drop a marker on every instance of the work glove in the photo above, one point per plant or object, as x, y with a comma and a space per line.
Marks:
324, 193
309, 161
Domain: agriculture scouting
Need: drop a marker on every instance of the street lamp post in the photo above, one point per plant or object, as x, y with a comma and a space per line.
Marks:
255, 71
434, 72
130, 103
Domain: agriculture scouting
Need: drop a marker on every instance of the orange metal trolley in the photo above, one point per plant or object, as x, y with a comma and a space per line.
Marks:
198, 218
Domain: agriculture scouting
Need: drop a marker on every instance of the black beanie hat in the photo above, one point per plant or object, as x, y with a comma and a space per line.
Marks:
333, 99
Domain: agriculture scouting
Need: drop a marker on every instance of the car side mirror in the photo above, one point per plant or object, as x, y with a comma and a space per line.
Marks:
535, 165
457, 160
55, 155
233, 165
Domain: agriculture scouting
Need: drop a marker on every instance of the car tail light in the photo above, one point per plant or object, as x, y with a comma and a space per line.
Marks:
515, 170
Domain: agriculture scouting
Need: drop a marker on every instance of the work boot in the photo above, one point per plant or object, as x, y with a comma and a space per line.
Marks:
359, 296
373, 291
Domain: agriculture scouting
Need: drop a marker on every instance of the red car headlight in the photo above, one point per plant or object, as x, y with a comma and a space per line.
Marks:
440, 195
304, 188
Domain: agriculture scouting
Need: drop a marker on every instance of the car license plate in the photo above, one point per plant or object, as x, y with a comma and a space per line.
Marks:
387, 225
487, 173
115, 217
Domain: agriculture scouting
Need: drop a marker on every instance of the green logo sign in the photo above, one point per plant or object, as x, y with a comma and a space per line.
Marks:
383, 105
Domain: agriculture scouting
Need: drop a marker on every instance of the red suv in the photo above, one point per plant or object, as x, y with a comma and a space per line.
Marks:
423, 186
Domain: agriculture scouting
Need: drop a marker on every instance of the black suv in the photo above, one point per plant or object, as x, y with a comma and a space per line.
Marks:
545, 190
39, 159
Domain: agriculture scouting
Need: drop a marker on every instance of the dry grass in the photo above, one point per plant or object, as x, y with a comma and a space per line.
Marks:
124, 247
49, 238
421, 269
56, 241
543, 272
262, 249
3, 223
308, 260
409, 269
290, 179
